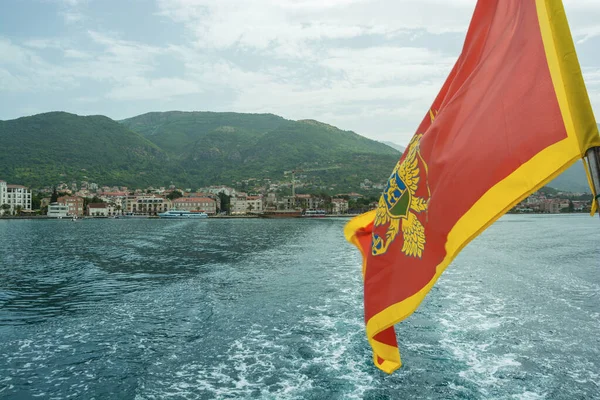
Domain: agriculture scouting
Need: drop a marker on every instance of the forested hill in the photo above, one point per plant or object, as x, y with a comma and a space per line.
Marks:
54, 147
194, 149
187, 149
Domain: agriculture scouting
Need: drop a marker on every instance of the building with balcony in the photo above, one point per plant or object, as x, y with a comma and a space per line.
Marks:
238, 204
3, 193
146, 205
16, 196
339, 206
308, 202
254, 204
205, 204
74, 204
98, 210
57, 210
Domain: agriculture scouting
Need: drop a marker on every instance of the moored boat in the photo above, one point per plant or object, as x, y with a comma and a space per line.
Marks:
182, 214
314, 213
280, 214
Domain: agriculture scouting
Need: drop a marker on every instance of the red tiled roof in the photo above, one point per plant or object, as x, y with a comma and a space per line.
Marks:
97, 205
15, 186
70, 198
193, 200
114, 194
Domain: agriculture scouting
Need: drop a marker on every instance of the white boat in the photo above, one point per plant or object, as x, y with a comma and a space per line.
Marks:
314, 213
181, 214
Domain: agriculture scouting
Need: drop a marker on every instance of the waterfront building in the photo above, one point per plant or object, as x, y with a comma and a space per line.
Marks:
146, 204
238, 204
16, 196
340, 206
3, 193
286, 203
308, 201
254, 203
74, 204
205, 204
58, 210
98, 210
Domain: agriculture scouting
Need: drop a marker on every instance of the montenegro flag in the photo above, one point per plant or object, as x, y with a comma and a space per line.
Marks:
512, 115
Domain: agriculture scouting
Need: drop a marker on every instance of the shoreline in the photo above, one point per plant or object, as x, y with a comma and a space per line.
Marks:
46, 218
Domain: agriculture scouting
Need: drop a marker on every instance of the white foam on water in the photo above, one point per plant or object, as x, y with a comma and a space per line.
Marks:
527, 395
285, 362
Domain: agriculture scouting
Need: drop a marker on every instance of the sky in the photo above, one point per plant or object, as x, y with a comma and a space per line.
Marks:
371, 66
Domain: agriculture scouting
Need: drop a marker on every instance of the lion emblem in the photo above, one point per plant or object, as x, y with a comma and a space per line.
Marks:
399, 204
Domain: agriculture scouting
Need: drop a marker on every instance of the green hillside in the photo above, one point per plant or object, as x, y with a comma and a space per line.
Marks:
220, 147
195, 149
187, 149
174, 131
53, 147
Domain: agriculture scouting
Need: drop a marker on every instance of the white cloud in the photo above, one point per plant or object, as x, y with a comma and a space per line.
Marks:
372, 66
71, 16
151, 89
263, 23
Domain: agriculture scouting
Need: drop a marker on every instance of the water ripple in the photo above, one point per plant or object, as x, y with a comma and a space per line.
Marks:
152, 309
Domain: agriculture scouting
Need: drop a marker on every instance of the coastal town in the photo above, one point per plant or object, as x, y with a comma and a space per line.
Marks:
92, 200
88, 199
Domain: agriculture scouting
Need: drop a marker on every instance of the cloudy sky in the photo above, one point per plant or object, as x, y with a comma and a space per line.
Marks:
372, 66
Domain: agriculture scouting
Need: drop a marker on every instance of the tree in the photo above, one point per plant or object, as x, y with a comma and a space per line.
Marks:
175, 194
54, 197
18, 210
225, 202
5, 207
36, 201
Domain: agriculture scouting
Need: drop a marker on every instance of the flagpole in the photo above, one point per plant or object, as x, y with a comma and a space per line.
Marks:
593, 156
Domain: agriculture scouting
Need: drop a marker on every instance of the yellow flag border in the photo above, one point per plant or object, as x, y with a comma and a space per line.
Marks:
582, 134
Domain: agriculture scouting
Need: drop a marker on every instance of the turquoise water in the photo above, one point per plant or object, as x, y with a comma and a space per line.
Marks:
154, 309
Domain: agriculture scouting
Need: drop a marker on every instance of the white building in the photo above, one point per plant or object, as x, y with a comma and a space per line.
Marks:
254, 203
238, 205
15, 196
57, 210
98, 210
340, 206
220, 189
3, 193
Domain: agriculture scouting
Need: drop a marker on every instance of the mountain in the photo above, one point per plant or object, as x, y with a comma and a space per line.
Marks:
49, 148
186, 149
219, 147
195, 149
175, 130
395, 146
573, 179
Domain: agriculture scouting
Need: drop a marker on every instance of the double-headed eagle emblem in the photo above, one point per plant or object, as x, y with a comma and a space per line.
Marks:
399, 204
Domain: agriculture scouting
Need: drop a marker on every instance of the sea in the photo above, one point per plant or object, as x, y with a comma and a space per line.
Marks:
273, 309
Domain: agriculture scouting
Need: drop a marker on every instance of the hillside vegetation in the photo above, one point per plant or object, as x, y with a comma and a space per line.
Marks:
53, 147
187, 149
195, 149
